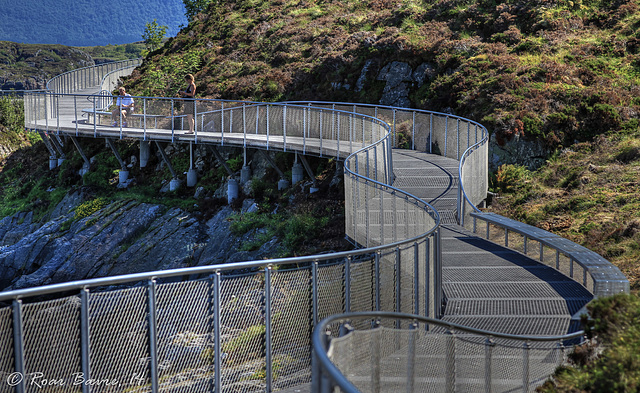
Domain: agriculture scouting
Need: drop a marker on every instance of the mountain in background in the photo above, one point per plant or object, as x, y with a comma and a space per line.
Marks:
86, 22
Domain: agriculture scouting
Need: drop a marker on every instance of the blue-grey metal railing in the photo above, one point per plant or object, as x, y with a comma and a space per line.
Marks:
388, 351
402, 276
86, 77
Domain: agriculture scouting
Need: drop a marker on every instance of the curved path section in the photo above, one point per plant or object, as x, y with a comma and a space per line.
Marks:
402, 208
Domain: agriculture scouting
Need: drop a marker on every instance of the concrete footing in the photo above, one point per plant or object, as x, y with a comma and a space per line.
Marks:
123, 176
283, 184
192, 177
145, 153
232, 190
53, 162
297, 173
174, 184
245, 174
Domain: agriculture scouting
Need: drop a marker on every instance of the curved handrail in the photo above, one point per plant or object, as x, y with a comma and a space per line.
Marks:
85, 77
325, 367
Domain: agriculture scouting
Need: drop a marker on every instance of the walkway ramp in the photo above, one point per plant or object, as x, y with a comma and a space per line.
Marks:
486, 285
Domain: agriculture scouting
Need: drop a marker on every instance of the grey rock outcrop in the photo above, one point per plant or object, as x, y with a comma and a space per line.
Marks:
122, 238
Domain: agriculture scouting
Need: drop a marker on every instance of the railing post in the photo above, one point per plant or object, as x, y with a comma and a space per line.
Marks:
153, 334
18, 345
377, 279
446, 134
525, 367
428, 288
268, 359
217, 367
416, 278
450, 365
314, 293
411, 357
398, 282
375, 358
268, 126
488, 352
347, 284
85, 338
284, 127
222, 123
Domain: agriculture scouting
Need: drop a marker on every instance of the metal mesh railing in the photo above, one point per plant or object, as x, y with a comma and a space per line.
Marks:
84, 78
240, 327
382, 352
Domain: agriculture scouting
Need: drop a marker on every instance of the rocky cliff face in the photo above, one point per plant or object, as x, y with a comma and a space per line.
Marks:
29, 66
124, 237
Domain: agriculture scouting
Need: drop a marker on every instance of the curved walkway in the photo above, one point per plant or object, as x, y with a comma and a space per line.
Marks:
485, 285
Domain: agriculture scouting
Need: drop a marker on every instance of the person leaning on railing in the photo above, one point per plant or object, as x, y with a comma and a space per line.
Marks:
124, 105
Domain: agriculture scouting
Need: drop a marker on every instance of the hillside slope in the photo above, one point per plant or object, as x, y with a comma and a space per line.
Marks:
547, 71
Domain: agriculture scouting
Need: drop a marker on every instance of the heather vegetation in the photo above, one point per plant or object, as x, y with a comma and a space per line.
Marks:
551, 70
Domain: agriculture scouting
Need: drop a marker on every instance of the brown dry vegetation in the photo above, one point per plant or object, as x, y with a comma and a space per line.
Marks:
552, 70
589, 193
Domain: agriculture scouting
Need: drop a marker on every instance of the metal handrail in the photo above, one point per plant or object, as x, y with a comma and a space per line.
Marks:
324, 367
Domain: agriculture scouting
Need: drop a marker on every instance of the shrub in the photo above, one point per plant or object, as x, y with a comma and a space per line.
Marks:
511, 178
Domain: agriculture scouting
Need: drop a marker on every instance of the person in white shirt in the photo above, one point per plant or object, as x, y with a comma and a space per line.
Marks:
124, 105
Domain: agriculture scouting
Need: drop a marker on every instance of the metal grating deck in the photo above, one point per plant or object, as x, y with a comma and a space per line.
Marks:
486, 285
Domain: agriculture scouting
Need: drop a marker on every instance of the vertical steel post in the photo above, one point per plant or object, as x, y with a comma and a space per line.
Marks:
427, 273
153, 334
217, 367
416, 278
314, 295
394, 129
347, 284
450, 368
268, 126
222, 123
398, 283
84, 338
18, 345
375, 360
267, 296
411, 357
377, 279
430, 132
525, 367
321, 131
446, 134
413, 132
488, 352
284, 127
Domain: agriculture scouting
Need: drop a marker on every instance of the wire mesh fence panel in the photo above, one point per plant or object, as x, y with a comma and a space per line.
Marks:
506, 366
543, 361
408, 276
331, 290
387, 279
185, 335
403, 130
119, 337
422, 132
469, 361
7, 361
430, 362
52, 331
362, 280
243, 330
291, 327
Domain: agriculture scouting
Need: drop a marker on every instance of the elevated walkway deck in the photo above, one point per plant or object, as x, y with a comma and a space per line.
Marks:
486, 285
